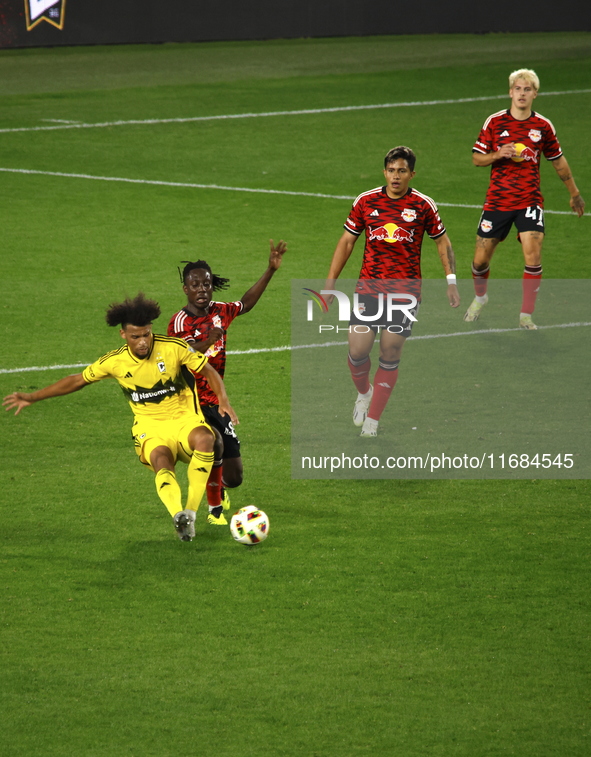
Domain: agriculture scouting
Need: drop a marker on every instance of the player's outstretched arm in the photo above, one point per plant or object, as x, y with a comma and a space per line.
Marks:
217, 387
67, 385
448, 261
250, 298
564, 173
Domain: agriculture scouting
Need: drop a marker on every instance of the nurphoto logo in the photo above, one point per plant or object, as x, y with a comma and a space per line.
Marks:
386, 305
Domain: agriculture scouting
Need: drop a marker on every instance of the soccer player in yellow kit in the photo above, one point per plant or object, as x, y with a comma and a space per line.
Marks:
152, 371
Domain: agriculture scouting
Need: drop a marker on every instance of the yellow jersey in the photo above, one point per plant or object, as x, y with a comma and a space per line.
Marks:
157, 386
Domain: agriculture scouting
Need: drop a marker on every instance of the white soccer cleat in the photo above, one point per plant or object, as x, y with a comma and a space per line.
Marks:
473, 312
525, 322
370, 428
184, 522
362, 406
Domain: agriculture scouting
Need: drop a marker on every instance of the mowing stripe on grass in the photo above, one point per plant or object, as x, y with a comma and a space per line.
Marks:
191, 185
291, 347
303, 112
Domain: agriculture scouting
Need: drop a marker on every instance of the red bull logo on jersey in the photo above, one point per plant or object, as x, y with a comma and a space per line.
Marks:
535, 135
391, 233
215, 348
409, 215
525, 153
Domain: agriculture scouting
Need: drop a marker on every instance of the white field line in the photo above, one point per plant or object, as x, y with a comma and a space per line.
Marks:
152, 121
290, 348
191, 185
303, 112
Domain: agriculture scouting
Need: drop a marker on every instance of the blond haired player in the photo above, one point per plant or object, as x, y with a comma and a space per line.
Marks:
512, 143
168, 424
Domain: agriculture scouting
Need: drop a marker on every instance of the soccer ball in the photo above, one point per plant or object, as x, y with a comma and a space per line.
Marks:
249, 525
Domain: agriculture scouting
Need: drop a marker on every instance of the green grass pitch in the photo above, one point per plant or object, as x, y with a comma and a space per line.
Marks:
384, 618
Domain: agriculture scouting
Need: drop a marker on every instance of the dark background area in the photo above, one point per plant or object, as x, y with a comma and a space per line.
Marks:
88, 22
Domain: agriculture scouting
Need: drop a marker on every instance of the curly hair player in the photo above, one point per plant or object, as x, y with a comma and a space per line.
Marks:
168, 423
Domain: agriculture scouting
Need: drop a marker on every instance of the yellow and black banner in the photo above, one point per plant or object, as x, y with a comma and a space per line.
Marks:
52, 11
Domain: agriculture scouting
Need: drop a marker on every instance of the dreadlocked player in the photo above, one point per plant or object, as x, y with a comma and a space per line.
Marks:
168, 425
203, 323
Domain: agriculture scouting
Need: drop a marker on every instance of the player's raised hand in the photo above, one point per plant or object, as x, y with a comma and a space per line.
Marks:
277, 252
16, 400
577, 204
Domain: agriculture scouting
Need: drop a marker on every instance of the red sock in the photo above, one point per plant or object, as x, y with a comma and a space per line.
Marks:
214, 484
360, 373
532, 276
383, 383
480, 279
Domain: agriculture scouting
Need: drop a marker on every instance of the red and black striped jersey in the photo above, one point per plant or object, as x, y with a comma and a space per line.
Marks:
194, 328
394, 231
515, 182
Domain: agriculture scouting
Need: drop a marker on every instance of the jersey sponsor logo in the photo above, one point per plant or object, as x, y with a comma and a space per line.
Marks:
141, 395
525, 153
535, 135
52, 11
219, 345
409, 215
391, 233
486, 226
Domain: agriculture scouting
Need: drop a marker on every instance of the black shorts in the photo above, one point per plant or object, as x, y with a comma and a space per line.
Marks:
226, 428
496, 224
398, 323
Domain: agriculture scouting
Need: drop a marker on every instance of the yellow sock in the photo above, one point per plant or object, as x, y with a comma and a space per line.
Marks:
169, 491
198, 473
